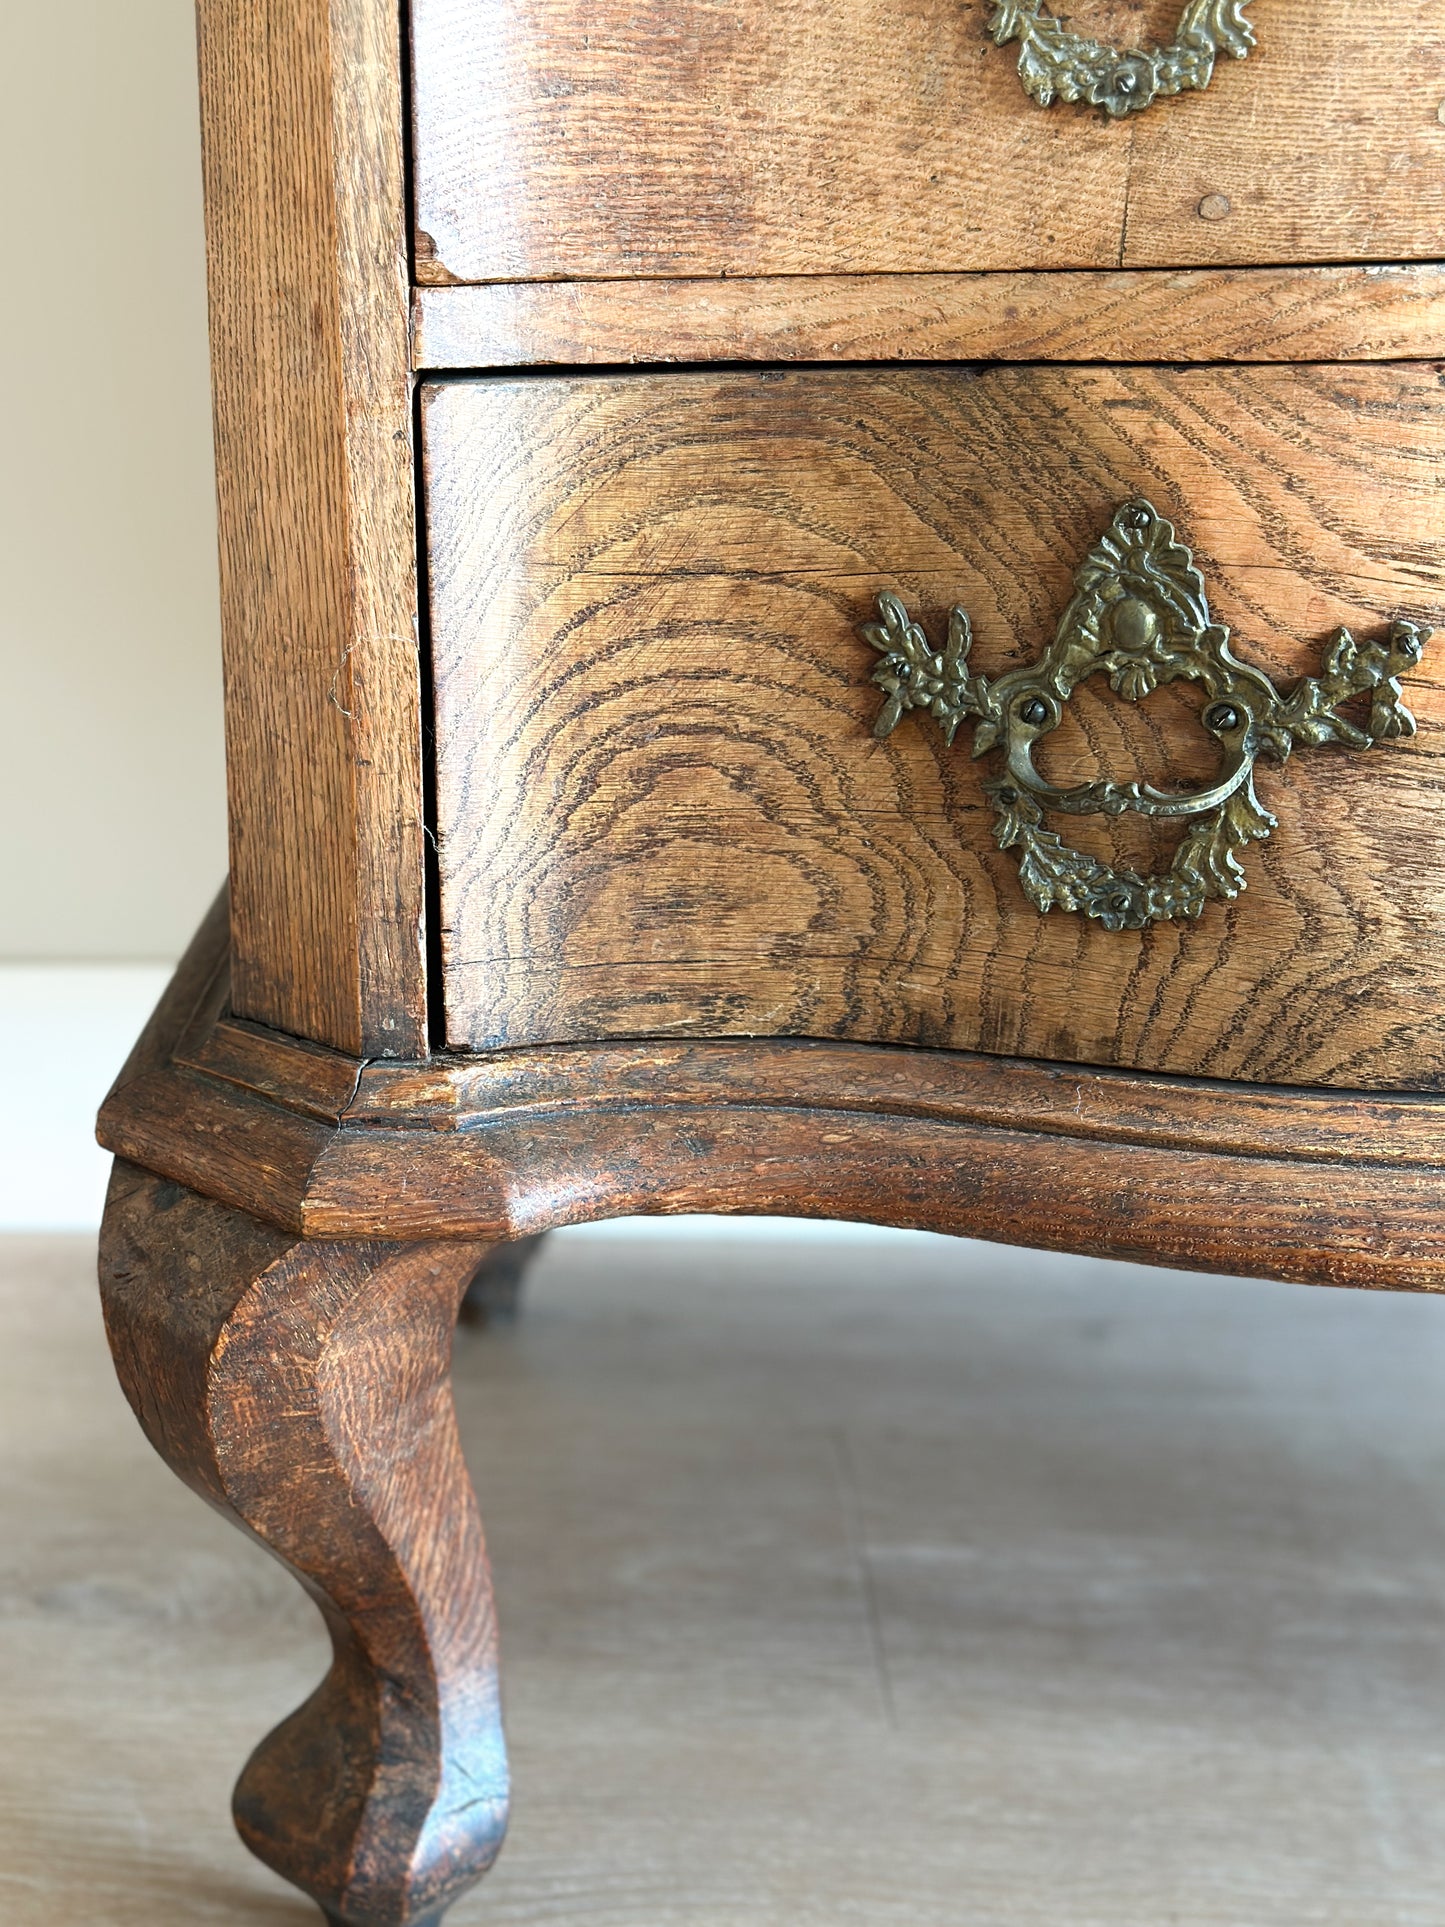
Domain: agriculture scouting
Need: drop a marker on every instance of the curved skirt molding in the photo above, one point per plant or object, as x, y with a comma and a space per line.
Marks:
1322, 1187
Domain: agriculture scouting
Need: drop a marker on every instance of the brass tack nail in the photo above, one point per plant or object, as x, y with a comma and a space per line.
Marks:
1214, 207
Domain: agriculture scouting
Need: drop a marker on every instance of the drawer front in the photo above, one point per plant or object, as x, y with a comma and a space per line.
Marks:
662, 809
884, 136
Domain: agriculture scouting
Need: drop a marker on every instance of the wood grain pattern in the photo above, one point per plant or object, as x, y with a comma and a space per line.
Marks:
913, 1141
891, 136
1372, 1227
1331, 148
661, 811
306, 232
662, 815
1313, 1185
193, 1001
1251, 315
954, 1087
299, 1076
304, 1390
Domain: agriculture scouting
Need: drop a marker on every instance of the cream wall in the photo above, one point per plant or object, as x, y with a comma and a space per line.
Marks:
111, 781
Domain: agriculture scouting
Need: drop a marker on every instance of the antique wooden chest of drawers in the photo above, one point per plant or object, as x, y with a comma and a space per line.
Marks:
827, 610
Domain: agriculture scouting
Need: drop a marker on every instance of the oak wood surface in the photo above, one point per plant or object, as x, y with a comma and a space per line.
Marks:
306, 236
1319, 1186
663, 825
183, 1123
891, 136
1233, 314
219, 1058
303, 1389
661, 808
452, 1092
1368, 1227
196, 998
886, 1160
1331, 147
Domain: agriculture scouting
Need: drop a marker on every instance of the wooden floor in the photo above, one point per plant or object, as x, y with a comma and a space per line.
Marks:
901, 1583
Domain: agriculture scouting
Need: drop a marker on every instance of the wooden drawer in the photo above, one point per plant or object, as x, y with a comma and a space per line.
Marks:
661, 807
887, 136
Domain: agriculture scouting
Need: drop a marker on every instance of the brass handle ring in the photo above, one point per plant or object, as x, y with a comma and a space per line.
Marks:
1057, 64
1139, 614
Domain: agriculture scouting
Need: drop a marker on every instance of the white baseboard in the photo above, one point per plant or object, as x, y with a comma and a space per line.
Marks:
71, 1027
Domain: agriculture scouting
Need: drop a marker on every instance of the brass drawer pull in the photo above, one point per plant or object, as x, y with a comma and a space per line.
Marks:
1140, 615
1058, 64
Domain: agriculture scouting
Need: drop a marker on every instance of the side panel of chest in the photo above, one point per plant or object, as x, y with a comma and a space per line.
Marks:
661, 806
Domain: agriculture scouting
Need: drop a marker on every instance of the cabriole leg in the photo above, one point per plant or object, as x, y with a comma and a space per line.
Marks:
304, 1389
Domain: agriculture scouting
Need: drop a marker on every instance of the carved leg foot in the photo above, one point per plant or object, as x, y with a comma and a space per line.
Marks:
303, 1388
496, 1284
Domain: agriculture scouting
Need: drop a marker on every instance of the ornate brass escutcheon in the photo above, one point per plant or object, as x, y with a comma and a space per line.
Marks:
1055, 63
1139, 615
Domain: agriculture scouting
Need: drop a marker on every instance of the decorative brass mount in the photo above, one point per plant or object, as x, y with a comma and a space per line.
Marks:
1057, 64
1138, 613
